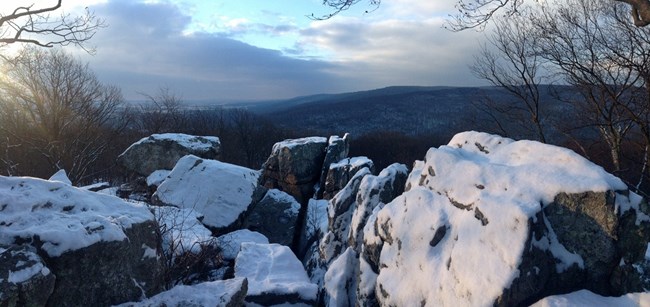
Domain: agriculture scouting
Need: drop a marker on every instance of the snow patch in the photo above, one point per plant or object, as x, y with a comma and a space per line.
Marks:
196, 143
157, 177
220, 191
230, 243
61, 176
214, 293
273, 269
65, 218
589, 299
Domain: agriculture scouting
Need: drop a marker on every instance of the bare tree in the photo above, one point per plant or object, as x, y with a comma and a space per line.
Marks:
477, 13
162, 112
514, 66
574, 37
54, 106
36, 25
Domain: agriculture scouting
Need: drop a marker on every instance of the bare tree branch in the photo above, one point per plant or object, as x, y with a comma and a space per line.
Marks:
36, 26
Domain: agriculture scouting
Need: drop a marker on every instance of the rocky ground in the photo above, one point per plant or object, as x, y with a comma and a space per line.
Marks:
482, 221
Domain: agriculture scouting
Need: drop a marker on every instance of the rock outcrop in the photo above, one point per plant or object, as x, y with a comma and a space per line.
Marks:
100, 250
294, 166
25, 280
221, 192
275, 216
337, 150
514, 206
341, 172
162, 151
275, 276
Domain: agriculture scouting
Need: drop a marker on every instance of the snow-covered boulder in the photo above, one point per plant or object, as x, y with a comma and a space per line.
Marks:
101, 249
275, 216
587, 298
294, 166
337, 150
339, 174
340, 281
226, 293
275, 276
221, 192
162, 151
25, 279
231, 242
490, 221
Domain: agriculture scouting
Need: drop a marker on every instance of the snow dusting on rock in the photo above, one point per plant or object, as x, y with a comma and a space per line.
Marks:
586, 298
231, 242
220, 191
196, 143
456, 237
272, 271
63, 217
215, 293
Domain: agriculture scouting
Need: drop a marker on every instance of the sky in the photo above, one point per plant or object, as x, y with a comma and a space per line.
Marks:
259, 49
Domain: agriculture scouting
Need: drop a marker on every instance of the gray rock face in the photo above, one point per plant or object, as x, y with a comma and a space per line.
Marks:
25, 280
340, 211
162, 151
108, 273
337, 150
275, 216
294, 166
374, 190
340, 173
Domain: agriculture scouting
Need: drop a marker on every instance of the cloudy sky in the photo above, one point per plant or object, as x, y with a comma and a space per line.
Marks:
262, 49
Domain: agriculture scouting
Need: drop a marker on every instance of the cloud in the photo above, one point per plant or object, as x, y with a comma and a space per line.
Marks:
145, 46
392, 51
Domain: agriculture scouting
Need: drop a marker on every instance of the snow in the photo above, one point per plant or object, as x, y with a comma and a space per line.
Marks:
647, 252
61, 176
214, 293
181, 230
273, 269
588, 299
352, 162
628, 201
195, 143
230, 243
25, 273
297, 142
456, 237
220, 191
340, 279
552, 244
157, 177
65, 218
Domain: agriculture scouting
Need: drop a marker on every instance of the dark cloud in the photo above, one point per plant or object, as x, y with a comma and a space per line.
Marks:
144, 47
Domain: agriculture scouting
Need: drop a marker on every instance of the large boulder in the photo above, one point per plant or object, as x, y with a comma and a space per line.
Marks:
337, 150
489, 221
25, 279
221, 192
275, 216
102, 250
275, 276
294, 166
339, 173
162, 151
